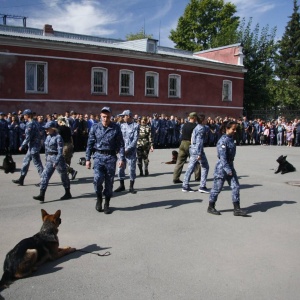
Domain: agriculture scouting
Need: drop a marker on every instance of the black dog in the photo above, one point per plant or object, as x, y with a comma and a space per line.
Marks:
284, 165
8, 164
82, 161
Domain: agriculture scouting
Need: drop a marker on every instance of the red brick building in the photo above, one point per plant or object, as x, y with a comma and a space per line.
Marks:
51, 71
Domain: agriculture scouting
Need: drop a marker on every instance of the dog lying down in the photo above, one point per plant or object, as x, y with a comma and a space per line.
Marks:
31, 252
284, 165
174, 158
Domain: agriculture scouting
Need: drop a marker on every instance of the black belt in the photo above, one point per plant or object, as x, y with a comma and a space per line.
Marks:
106, 152
52, 153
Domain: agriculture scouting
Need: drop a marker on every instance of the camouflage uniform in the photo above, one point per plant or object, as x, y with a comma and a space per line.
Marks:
144, 144
106, 142
196, 149
130, 133
54, 161
33, 141
226, 152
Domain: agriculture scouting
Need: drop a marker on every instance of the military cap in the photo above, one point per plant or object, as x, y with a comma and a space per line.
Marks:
27, 112
126, 113
50, 124
193, 115
106, 109
2, 113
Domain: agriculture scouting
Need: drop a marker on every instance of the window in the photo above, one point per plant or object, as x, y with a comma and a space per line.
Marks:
99, 81
36, 77
151, 84
126, 82
174, 86
227, 90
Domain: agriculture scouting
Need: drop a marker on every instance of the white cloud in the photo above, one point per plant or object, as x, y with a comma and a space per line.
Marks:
84, 17
250, 8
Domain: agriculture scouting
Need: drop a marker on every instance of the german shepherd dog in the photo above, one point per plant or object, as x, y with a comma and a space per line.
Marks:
284, 165
8, 164
31, 252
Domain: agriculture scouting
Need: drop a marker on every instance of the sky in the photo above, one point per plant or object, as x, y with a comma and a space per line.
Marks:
117, 18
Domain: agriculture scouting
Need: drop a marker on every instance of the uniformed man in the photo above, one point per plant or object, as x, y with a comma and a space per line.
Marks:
33, 142
105, 140
183, 153
130, 131
144, 146
3, 133
197, 155
155, 127
54, 161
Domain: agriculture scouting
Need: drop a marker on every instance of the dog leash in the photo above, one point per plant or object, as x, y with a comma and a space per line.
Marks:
107, 253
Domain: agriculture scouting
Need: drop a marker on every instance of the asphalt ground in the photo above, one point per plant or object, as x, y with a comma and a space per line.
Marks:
163, 243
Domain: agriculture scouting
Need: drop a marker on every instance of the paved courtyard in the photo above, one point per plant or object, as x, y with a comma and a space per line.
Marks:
163, 243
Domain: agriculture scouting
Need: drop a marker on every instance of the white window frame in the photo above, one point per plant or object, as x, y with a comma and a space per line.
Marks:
174, 93
151, 91
32, 67
227, 90
129, 87
94, 86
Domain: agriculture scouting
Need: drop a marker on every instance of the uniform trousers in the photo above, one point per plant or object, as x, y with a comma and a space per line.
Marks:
183, 154
191, 167
104, 172
131, 161
219, 178
49, 169
35, 157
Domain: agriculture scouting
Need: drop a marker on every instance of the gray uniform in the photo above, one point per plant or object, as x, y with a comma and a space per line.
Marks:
226, 152
54, 160
33, 141
196, 149
130, 133
106, 142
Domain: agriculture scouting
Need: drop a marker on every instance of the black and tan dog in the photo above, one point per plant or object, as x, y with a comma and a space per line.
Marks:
31, 252
284, 165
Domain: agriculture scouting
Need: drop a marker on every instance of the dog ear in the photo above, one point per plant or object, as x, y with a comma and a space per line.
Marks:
57, 214
44, 214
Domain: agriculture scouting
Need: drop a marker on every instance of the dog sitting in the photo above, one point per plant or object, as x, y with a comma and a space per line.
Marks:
31, 252
8, 164
174, 158
284, 165
82, 161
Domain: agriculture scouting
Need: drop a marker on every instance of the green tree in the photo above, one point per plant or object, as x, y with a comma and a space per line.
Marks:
259, 48
138, 36
206, 24
288, 63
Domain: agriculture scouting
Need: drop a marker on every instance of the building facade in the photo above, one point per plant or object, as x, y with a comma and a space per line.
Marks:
51, 71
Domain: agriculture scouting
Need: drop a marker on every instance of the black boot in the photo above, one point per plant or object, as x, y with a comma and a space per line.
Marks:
99, 202
146, 172
107, 211
237, 211
41, 196
141, 170
121, 187
67, 195
211, 209
19, 181
131, 189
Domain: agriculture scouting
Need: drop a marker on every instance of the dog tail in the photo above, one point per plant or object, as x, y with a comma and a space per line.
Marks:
6, 280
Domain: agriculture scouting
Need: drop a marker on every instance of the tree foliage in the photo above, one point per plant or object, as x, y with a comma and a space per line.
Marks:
259, 48
206, 24
138, 36
288, 63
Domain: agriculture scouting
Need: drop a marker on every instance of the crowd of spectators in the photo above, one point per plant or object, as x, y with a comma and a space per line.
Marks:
166, 130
